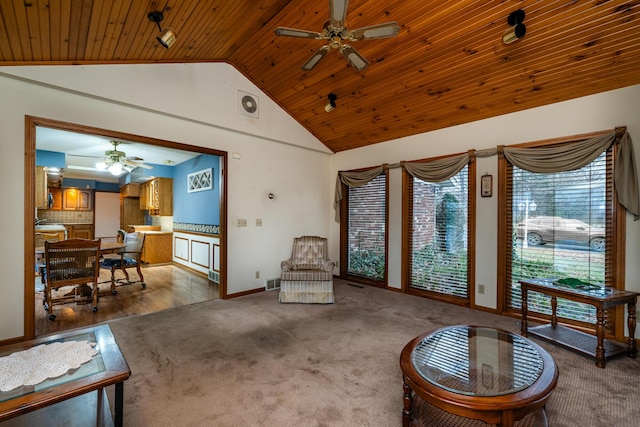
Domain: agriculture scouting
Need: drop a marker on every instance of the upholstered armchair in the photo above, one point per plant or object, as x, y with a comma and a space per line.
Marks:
307, 277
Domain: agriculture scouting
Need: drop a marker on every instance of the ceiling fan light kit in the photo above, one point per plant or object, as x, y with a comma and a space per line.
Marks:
517, 30
336, 33
116, 162
167, 36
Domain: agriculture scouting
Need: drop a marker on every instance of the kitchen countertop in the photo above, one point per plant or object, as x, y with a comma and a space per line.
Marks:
50, 227
156, 232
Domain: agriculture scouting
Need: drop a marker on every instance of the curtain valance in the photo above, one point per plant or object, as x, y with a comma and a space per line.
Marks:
437, 170
574, 155
558, 158
353, 179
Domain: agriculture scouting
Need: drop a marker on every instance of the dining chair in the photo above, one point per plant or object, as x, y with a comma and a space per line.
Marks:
129, 257
72, 262
40, 238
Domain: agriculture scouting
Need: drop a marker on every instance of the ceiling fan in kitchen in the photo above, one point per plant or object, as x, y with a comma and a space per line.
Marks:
338, 36
117, 162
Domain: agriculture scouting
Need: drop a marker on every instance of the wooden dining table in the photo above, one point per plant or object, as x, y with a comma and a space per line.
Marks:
105, 247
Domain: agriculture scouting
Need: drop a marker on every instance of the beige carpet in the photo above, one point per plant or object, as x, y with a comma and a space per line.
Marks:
251, 361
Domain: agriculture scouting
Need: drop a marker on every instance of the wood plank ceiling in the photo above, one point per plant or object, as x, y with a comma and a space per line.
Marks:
447, 65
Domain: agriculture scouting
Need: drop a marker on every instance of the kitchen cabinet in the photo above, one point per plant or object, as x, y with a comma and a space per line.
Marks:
42, 193
76, 199
156, 196
158, 247
130, 212
144, 195
56, 198
130, 190
79, 231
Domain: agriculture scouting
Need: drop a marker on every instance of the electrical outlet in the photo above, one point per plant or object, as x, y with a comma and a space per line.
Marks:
242, 222
481, 289
258, 222
257, 274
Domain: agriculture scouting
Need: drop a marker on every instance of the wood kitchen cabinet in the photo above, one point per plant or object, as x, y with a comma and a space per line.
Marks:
56, 198
156, 196
130, 212
76, 199
158, 247
130, 190
42, 193
79, 231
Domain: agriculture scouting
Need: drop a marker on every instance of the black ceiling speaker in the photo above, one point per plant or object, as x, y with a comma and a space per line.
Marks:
517, 30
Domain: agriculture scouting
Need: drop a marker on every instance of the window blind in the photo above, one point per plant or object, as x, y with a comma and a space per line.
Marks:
439, 216
366, 229
561, 227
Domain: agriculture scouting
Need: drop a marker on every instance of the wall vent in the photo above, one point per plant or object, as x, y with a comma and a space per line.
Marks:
214, 276
248, 105
271, 284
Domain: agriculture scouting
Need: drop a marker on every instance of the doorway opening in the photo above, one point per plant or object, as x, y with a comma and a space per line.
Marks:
172, 271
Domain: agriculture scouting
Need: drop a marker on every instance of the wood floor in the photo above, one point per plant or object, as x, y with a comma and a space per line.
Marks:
168, 286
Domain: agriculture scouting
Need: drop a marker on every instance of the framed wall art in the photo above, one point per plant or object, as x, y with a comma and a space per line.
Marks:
200, 181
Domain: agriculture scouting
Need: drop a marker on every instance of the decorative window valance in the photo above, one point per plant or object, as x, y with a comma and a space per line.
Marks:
557, 158
437, 170
574, 155
354, 179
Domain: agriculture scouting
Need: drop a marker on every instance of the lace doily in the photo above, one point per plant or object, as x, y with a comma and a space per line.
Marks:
33, 366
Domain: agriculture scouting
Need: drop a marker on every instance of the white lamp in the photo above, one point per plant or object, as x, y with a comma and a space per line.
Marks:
115, 169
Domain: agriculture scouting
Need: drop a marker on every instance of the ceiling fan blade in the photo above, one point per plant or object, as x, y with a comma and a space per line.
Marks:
379, 31
316, 58
136, 164
353, 56
338, 13
292, 32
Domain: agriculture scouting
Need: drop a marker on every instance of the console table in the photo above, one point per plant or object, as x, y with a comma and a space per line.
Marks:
106, 368
477, 372
602, 298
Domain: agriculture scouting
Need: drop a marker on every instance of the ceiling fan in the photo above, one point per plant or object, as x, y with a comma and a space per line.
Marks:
337, 33
117, 161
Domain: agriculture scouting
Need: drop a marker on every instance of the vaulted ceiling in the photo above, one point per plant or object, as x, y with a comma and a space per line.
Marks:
447, 66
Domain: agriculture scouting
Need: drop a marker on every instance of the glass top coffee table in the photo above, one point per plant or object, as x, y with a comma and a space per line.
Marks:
477, 372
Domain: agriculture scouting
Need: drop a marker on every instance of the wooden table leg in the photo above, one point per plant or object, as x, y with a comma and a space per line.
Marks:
506, 419
407, 401
600, 356
632, 351
525, 308
554, 310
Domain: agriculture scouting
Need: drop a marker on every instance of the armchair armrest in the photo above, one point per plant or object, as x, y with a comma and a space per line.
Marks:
328, 265
286, 265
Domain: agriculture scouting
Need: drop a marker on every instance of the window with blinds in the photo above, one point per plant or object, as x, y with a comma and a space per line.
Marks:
438, 238
364, 246
561, 227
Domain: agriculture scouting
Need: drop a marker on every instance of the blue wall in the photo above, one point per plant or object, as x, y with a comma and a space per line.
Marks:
57, 160
50, 158
158, 171
200, 207
91, 184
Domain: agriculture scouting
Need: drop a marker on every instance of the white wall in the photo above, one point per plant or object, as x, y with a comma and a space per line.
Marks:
196, 104
288, 162
592, 113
